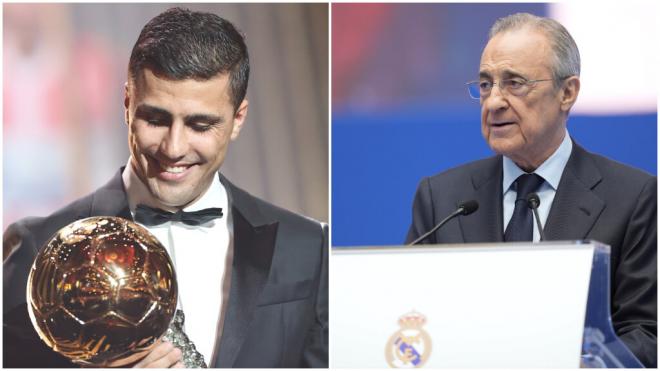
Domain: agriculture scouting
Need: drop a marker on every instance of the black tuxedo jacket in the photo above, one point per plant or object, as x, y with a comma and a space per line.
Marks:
597, 199
277, 314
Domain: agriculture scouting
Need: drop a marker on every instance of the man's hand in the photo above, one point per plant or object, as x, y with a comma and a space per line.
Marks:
163, 355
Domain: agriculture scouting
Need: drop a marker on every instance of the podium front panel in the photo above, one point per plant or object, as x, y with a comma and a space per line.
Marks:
447, 306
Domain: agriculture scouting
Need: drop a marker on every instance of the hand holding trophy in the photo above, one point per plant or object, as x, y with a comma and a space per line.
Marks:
102, 292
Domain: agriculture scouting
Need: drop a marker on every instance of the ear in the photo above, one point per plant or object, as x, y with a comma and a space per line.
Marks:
239, 119
569, 92
127, 102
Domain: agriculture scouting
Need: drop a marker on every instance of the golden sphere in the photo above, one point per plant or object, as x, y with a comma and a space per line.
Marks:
102, 291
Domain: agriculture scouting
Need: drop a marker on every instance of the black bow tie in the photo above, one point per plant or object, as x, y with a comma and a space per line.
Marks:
150, 216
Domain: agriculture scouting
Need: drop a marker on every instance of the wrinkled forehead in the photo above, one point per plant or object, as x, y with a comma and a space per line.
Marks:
524, 50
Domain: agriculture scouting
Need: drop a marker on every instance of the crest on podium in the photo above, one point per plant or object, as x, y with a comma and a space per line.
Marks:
410, 346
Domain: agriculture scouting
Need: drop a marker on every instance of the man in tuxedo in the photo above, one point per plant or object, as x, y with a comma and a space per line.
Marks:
252, 277
528, 82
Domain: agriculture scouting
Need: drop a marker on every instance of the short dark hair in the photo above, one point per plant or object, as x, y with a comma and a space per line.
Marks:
181, 44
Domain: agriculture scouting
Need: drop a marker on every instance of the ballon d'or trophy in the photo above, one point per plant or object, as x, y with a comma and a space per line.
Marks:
103, 291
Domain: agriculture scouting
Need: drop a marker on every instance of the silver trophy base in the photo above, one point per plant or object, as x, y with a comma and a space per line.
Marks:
175, 335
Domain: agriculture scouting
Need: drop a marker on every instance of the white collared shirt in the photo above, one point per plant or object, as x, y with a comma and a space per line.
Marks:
202, 257
551, 171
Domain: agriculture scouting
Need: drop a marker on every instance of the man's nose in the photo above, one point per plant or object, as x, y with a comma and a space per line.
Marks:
495, 101
175, 144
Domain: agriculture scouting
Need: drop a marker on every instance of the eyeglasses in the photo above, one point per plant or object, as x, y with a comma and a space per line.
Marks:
517, 86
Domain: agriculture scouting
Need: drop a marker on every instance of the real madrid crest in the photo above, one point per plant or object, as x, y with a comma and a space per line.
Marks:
410, 347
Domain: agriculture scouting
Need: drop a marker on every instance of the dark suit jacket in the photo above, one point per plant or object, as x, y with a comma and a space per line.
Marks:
277, 315
597, 199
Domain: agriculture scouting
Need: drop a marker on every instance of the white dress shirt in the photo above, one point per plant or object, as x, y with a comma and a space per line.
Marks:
202, 257
550, 170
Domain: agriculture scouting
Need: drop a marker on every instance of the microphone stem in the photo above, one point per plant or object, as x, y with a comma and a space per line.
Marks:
445, 220
538, 224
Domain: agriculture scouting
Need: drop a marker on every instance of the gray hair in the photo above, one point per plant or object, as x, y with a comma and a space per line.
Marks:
566, 56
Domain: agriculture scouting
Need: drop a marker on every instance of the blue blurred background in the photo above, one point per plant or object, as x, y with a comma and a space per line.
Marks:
400, 109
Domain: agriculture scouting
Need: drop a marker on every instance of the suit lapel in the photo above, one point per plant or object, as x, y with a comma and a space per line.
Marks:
576, 207
485, 225
254, 243
110, 200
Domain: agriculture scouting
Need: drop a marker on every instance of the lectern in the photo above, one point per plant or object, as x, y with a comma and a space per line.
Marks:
516, 305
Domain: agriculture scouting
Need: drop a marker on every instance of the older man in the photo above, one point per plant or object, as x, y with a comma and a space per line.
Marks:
253, 277
528, 82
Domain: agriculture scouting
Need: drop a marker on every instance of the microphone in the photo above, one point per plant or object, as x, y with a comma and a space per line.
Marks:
533, 202
464, 208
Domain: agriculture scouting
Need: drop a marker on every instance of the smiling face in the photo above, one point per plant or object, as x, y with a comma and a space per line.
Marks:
529, 128
178, 134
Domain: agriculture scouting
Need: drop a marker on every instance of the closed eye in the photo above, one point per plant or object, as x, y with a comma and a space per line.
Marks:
154, 116
157, 122
200, 127
203, 122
